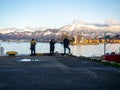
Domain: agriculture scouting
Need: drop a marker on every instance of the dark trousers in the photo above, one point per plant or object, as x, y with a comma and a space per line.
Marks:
51, 51
65, 49
33, 52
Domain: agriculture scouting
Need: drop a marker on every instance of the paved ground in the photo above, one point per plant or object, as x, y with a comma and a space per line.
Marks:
56, 73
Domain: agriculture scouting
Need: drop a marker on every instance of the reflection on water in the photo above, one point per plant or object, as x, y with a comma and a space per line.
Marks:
30, 60
81, 50
78, 50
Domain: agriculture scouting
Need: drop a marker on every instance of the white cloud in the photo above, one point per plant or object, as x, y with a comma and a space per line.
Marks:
112, 22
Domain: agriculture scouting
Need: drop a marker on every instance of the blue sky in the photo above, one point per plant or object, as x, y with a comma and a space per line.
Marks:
56, 13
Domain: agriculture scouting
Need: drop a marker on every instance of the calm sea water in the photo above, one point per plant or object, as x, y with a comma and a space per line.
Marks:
23, 48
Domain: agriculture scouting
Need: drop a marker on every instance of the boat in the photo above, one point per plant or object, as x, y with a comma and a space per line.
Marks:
112, 58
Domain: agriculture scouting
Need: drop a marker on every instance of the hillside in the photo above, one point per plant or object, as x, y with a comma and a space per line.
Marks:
77, 27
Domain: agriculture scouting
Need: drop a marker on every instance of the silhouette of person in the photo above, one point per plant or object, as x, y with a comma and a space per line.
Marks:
66, 43
52, 46
32, 47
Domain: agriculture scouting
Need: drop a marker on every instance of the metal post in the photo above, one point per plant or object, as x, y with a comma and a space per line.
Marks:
105, 43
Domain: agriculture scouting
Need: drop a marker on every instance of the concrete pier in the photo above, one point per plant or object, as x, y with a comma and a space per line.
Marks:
56, 73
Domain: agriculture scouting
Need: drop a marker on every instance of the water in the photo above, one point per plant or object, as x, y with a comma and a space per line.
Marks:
23, 48
31, 60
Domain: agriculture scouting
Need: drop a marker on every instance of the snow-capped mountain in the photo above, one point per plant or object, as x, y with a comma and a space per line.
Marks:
90, 30
26, 29
7, 30
78, 25
75, 26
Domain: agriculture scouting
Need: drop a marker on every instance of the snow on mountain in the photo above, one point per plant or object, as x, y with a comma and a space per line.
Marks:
26, 29
57, 34
7, 30
47, 33
34, 29
75, 26
78, 25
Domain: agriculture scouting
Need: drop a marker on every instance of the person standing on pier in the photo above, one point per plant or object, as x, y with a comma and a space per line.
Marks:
52, 46
32, 47
66, 43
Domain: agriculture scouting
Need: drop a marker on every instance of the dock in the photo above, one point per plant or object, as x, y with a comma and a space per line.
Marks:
56, 73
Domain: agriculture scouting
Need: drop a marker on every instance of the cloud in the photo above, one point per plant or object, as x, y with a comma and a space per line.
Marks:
77, 21
100, 24
112, 22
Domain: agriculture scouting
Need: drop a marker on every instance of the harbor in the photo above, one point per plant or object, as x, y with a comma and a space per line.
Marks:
60, 45
23, 48
56, 73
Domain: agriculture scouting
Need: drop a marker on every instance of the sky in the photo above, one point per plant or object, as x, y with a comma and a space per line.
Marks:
56, 13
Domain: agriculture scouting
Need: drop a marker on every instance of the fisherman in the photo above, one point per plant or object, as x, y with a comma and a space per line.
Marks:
52, 46
66, 43
32, 47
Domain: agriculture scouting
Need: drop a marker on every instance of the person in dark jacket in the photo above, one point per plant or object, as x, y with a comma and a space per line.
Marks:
52, 46
32, 47
66, 43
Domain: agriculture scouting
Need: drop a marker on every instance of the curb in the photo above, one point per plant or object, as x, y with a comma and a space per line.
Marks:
105, 62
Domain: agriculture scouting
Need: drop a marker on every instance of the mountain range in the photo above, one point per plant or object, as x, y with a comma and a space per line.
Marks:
76, 27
